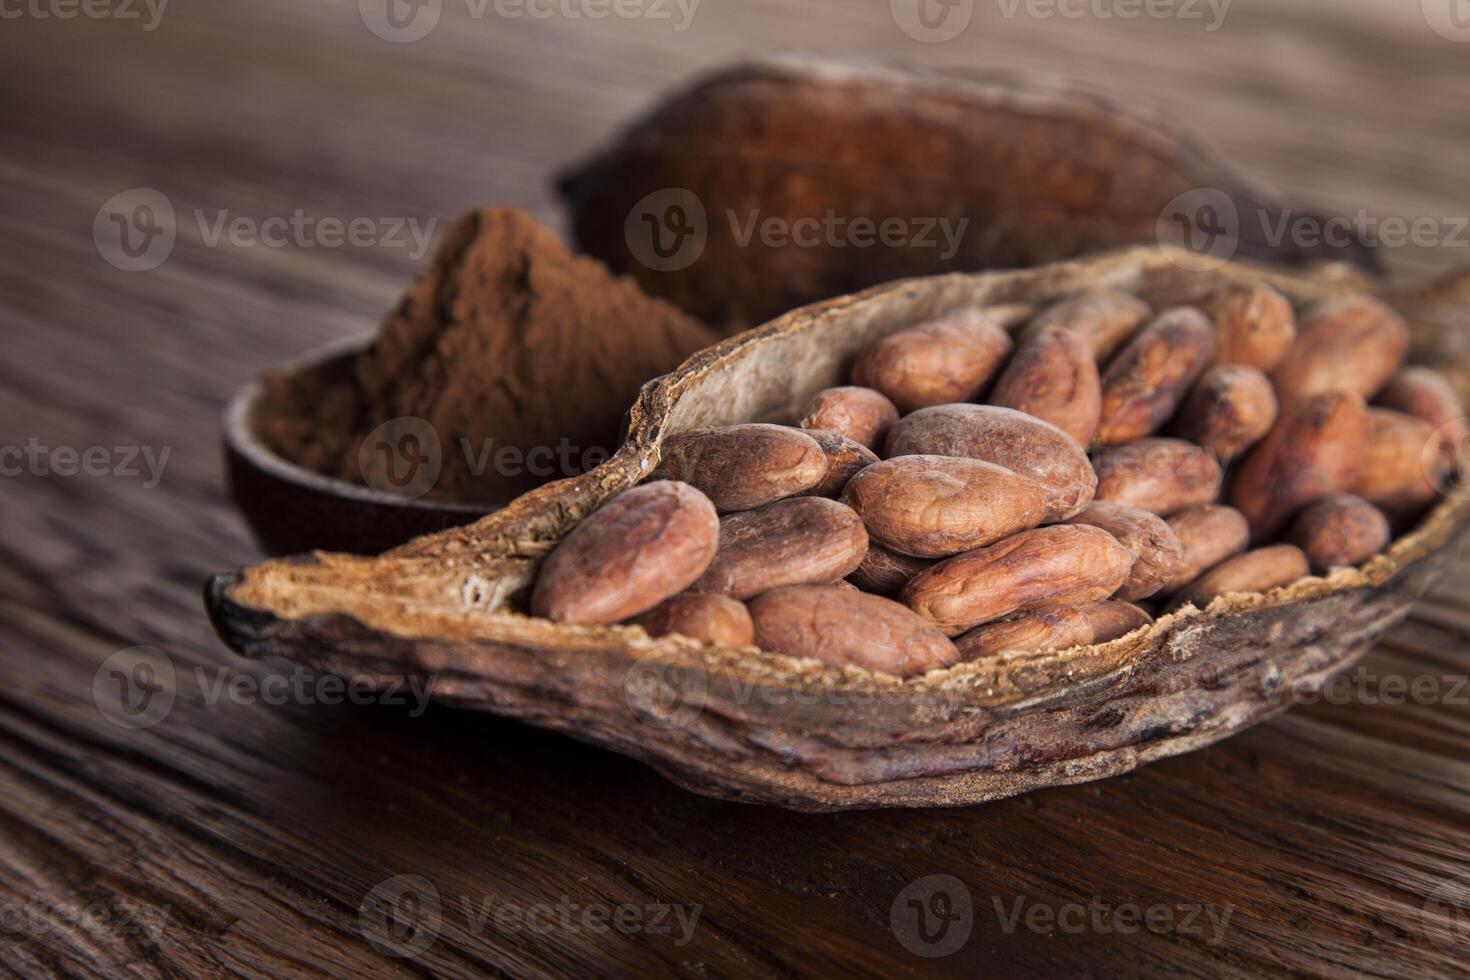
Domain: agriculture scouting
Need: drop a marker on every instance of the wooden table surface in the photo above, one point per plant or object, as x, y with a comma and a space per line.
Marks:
251, 831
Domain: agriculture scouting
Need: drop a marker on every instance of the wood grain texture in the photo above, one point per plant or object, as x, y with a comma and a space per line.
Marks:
243, 837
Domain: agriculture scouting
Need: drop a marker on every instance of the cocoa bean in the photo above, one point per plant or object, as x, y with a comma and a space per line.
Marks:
1157, 552
885, 572
1314, 450
861, 414
1006, 437
845, 457
1255, 571
933, 506
1424, 394
1353, 344
1054, 377
1103, 318
743, 466
840, 627
714, 619
1404, 467
1254, 324
1147, 379
1158, 475
1209, 534
1230, 409
1340, 530
1064, 564
946, 360
638, 549
789, 542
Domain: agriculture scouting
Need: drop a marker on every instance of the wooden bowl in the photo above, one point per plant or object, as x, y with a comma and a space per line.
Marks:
751, 725
290, 508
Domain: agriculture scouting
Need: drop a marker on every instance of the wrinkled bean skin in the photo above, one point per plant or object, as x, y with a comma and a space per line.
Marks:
841, 627
1254, 324
934, 506
845, 457
1230, 409
949, 359
1354, 344
885, 572
1068, 564
1313, 451
744, 466
1340, 530
1008, 438
1255, 571
1145, 382
1209, 534
1103, 318
714, 619
638, 549
1157, 552
1054, 377
861, 414
1158, 475
1050, 628
788, 542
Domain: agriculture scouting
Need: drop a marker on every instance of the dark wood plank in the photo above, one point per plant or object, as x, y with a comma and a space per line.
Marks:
238, 836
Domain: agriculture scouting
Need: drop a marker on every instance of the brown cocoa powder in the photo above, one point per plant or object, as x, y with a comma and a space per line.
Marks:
508, 341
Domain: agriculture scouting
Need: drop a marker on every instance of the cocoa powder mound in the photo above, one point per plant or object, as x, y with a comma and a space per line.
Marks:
520, 355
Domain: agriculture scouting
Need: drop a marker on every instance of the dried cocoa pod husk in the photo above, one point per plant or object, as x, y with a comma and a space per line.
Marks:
1146, 380
714, 619
935, 506
1158, 475
947, 360
885, 572
635, 552
861, 414
1254, 324
1006, 437
1255, 571
790, 542
1404, 466
1035, 169
1054, 377
845, 457
840, 627
450, 607
1352, 344
1103, 318
1229, 409
1425, 394
746, 465
1313, 451
1068, 564
1209, 534
1157, 552
1340, 530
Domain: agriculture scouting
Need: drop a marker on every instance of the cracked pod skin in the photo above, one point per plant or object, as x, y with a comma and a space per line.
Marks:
745, 724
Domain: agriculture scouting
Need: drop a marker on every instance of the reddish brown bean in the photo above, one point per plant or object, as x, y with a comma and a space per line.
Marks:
1340, 530
841, 627
949, 359
789, 542
1146, 380
885, 572
1254, 324
861, 414
1230, 409
845, 457
714, 619
1354, 344
1103, 318
1404, 467
743, 466
1054, 377
1209, 534
1255, 571
1158, 475
1157, 553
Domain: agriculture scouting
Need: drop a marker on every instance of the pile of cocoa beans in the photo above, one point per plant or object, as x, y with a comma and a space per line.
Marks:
901, 525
